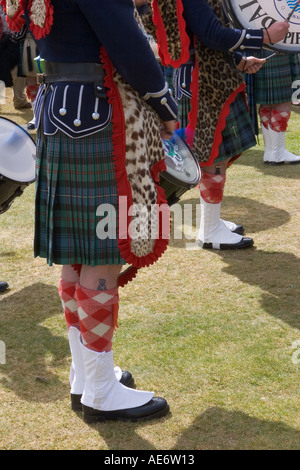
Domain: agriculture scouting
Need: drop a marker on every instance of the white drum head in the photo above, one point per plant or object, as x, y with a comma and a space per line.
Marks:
257, 14
17, 152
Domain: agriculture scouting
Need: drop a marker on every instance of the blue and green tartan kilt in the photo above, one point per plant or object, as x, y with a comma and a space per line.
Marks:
183, 104
74, 178
238, 135
273, 82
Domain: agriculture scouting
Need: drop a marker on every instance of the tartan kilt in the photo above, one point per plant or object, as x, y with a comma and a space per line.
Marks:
273, 82
238, 135
73, 178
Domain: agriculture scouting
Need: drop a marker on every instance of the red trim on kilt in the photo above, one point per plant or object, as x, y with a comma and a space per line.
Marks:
127, 276
193, 116
123, 186
222, 124
77, 268
162, 40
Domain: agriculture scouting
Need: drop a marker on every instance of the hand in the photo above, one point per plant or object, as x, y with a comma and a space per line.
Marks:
253, 64
276, 32
167, 129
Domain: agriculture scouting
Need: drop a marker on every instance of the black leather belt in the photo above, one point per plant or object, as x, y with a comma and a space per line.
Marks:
73, 72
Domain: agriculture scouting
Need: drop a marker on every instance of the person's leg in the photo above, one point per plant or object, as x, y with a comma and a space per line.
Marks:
67, 288
274, 119
31, 90
19, 94
215, 233
265, 114
104, 397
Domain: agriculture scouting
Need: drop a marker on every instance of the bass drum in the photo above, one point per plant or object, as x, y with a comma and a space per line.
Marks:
17, 162
258, 14
183, 170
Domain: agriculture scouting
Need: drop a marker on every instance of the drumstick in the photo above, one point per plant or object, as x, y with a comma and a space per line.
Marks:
293, 11
272, 55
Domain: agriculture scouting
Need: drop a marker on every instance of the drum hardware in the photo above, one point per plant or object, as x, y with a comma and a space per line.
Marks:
17, 162
11, 191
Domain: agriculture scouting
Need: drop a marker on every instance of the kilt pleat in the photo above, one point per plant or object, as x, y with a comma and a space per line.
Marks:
184, 107
273, 82
74, 178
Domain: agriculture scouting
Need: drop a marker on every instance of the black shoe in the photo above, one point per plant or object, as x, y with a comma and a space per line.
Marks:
126, 379
3, 286
30, 126
273, 163
155, 408
244, 243
239, 230
296, 162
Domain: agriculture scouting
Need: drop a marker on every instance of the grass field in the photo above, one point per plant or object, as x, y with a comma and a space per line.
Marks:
215, 333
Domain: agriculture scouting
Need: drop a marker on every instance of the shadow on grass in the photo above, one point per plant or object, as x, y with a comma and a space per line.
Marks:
275, 273
33, 351
255, 216
7, 254
215, 429
254, 158
218, 429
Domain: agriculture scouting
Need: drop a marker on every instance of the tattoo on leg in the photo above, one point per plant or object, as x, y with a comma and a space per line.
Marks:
102, 284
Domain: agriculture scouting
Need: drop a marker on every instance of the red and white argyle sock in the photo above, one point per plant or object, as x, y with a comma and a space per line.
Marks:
98, 313
212, 187
279, 120
67, 295
265, 114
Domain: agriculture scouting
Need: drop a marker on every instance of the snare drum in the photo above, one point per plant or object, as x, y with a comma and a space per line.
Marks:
183, 170
257, 14
17, 162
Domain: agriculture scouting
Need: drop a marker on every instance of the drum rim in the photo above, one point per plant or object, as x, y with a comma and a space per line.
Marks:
174, 180
27, 133
236, 22
16, 124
